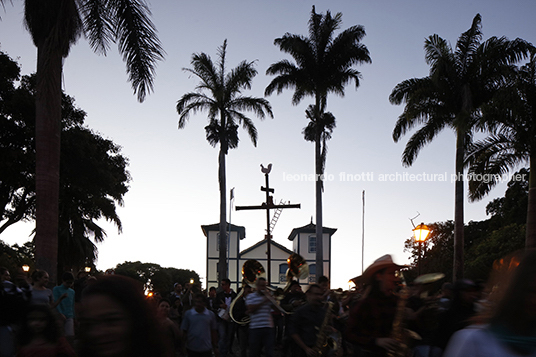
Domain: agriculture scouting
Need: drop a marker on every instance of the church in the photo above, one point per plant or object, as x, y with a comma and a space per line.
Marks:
303, 242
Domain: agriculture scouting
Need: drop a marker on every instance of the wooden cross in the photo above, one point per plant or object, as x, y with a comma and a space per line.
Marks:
268, 205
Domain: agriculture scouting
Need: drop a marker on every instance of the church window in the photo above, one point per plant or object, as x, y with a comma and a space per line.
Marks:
312, 244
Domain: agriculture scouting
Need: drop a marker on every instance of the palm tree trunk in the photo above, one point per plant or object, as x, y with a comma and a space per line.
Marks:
222, 264
319, 263
530, 238
457, 272
47, 143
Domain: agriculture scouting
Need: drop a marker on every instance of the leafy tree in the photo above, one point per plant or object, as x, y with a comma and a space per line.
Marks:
488, 240
495, 245
154, 277
323, 64
55, 26
512, 208
93, 181
15, 256
460, 82
512, 118
220, 94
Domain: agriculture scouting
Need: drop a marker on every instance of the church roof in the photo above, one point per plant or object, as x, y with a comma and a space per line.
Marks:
241, 231
258, 244
310, 228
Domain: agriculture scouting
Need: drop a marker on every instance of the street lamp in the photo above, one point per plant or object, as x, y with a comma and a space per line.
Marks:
420, 233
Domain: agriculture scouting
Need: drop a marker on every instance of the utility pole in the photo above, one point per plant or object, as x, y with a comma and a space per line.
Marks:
268, 205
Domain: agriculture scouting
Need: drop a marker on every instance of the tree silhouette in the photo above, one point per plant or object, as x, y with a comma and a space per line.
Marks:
323, 64
55, 26
220, 94
512, 119
460, 82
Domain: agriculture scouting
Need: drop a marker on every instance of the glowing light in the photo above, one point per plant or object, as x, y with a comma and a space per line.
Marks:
421, 232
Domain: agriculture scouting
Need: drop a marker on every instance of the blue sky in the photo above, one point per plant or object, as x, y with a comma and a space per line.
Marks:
175, 188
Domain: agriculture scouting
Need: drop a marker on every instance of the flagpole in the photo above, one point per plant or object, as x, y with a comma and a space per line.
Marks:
231, 198
363, 236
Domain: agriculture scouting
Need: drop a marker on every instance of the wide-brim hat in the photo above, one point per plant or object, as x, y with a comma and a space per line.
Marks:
382, 262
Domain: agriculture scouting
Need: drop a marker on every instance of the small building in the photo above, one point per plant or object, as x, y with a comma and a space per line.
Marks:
304, 243
212, 232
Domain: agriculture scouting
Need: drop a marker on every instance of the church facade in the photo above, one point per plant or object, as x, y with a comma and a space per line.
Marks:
303, 242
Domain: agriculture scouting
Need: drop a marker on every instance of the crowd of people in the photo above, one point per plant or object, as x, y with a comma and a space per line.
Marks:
110, 315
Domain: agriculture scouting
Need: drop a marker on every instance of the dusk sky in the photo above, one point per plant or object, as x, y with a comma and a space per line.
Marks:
174, 188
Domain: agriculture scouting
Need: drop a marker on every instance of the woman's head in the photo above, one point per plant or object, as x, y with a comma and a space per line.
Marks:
117, 320
39, 321
40, 277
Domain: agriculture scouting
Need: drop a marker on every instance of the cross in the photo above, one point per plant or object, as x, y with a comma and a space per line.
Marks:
268, 205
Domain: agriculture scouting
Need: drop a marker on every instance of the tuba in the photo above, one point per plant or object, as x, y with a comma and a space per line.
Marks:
297, 268
251, 271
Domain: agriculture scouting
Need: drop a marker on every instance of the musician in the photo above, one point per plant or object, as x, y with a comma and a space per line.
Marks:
370, 322
261, 326
305, 323
212, 301
294, 298
226, 327
240, 314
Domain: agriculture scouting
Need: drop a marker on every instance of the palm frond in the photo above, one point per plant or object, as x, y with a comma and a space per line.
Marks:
346, 50
489, 159
421, 138
240, 78
138, 43
468, 43
436, 49
247, 124
204, 69
260, 106
98, 25
191, 103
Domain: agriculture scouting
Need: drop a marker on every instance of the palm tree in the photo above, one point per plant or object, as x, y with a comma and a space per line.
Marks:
512, 120
220, 94
323, 64
460, 82
55, 26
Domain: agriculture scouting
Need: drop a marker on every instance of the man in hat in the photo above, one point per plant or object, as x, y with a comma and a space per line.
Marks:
370, 322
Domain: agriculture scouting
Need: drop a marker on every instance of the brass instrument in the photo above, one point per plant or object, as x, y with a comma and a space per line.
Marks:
297, 267
399, 331
326, 343
251, 271
274, 302
428, 278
